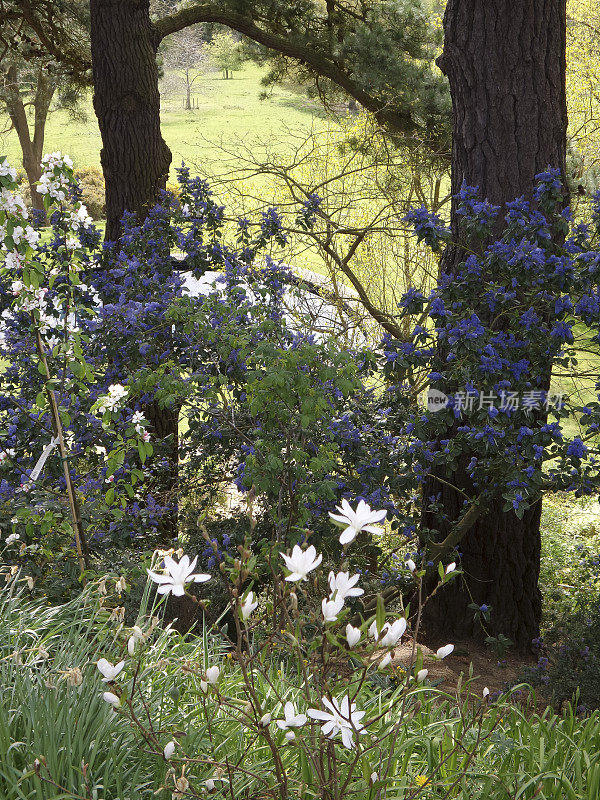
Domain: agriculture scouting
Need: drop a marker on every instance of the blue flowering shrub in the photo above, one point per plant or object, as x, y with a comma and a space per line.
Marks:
170, 398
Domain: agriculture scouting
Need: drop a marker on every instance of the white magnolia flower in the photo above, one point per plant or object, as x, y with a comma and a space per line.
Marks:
450, 568
331, 608
411, 565
111, 698
265, 720
385, 661
301, 562
292, 720
390, 635
352, 635
212, 675
109, 671
248, 605
342, 585
444, 651
342, 718
363, 519
421, 675
169, 750
136, 636
178, 575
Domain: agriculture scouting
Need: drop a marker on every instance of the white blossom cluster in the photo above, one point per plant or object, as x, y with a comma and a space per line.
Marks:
336, 716
117, 393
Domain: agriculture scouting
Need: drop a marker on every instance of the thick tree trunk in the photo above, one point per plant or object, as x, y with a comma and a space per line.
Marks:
134, 156
505, 62
135, 160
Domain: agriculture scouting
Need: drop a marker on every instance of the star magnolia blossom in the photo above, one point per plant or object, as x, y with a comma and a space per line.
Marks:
212, 675
178, 575
445, 651
248, 605
363, 519
390, 634
342, 718
385, 661
352, 635
301, 562
169, 750
342, 585
331, 608
292, 720
111, 698
109, 671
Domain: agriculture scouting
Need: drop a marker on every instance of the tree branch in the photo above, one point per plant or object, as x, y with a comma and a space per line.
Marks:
294, 47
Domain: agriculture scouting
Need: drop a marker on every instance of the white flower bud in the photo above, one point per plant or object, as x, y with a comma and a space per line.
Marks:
111, 698
265, 720
385, 661
444, 651
212, 675
169, 750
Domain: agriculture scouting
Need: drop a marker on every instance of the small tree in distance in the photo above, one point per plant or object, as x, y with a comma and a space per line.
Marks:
186, 56
225, 52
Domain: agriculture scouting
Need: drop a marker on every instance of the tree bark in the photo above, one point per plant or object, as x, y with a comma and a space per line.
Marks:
164, 428
505, 62
32, 148
134, 156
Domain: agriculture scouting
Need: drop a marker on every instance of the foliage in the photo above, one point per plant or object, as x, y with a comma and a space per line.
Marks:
225, 52
53, 688
91, 182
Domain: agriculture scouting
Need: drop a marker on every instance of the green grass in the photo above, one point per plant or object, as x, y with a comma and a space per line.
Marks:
230, 112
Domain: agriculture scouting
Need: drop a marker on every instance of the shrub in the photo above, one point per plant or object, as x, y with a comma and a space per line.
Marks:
91, 181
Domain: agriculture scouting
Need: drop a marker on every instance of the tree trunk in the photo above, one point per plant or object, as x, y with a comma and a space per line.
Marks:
134, 156
32, 149
135, 159
164, 428
505, 62
188, 88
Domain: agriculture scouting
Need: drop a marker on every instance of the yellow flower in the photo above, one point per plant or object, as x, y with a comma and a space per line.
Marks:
421, 780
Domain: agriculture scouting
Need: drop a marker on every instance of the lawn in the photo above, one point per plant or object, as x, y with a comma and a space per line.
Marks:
230, 112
